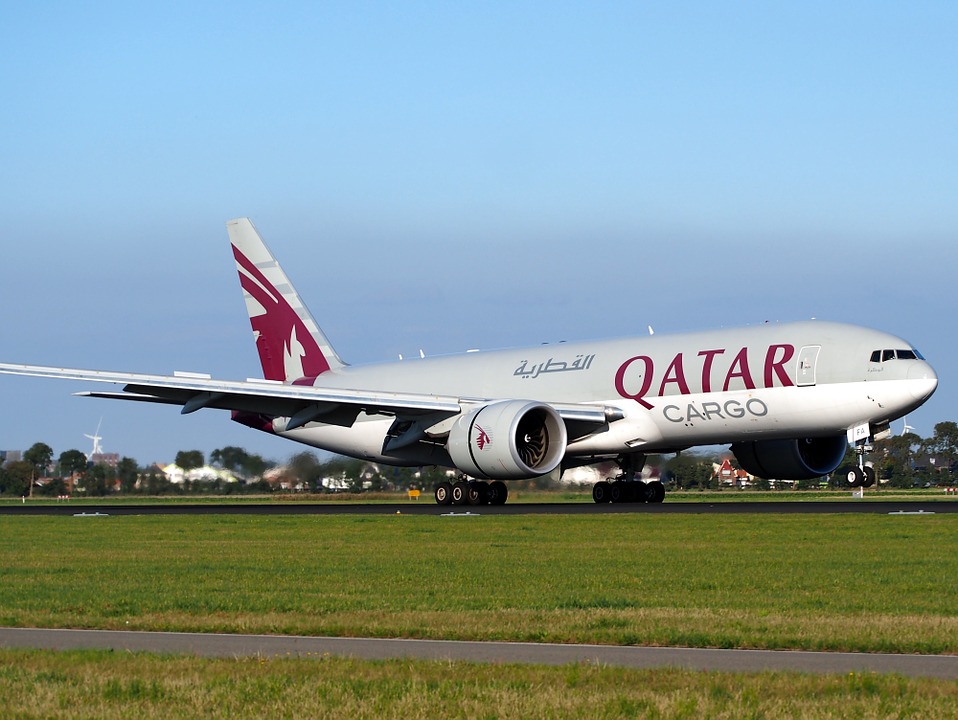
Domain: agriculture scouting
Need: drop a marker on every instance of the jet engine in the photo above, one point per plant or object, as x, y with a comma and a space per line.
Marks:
508, 440
800, 459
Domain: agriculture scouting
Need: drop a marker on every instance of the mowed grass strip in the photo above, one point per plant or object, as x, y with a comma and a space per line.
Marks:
108, 685
821, 582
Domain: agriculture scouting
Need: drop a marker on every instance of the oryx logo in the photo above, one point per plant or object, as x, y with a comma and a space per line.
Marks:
482, 438
287, 349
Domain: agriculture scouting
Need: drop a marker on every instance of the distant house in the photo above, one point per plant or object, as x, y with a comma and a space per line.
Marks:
729, 475
336, 484
109, 459
177, 475
280, 478
933, 463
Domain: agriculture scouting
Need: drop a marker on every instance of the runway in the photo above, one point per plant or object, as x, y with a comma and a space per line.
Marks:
218, 645
428, 507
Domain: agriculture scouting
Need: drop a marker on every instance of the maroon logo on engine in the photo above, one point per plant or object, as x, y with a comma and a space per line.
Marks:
482, 439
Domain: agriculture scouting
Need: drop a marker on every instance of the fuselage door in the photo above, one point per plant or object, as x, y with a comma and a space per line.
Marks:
807, 360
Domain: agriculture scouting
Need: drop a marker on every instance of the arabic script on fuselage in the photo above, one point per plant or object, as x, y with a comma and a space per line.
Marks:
525, 371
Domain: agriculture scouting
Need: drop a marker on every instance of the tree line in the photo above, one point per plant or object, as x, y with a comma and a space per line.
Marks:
901, 461
40, 472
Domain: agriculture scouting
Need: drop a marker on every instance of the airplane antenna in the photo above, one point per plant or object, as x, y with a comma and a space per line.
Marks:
651, 331
96, 438
422, 355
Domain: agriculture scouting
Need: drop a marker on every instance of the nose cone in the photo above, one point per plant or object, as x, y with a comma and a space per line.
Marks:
923, 379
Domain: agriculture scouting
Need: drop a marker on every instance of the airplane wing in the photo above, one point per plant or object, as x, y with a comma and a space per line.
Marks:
301, 403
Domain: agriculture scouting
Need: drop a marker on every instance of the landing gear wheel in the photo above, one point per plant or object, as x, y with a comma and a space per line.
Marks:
863, 475
460, 493
656, 492
444, 493
642, 492
478, 493
601, 492
498, 493
855, 477
618, 492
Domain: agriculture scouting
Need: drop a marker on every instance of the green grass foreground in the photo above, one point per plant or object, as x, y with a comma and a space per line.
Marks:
821, 582
106, 685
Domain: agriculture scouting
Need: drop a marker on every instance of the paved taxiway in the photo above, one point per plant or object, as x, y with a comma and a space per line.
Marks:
428, 507
213, 645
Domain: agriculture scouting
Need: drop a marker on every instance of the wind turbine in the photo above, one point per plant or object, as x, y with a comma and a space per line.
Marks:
96, 438
908, 428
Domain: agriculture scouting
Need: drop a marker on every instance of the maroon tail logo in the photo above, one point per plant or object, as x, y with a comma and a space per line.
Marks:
287, 349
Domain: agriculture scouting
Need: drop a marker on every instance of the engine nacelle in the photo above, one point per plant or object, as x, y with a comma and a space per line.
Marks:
800, 459
508, 440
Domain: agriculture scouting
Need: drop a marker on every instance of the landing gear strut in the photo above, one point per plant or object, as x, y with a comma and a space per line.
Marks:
624, 488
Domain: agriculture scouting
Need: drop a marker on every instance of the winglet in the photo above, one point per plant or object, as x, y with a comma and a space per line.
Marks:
291, 345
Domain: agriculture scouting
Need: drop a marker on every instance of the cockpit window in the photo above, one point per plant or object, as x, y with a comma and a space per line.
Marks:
886, 355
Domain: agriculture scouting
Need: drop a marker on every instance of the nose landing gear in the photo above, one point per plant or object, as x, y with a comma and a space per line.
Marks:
862, 475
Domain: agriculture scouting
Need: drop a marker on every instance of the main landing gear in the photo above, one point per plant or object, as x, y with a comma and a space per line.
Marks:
628, 491
624, 488
471, 492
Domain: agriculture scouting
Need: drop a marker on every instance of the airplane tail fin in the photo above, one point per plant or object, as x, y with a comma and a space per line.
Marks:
291, 345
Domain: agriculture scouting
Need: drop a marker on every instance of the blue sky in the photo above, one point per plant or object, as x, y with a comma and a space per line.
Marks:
447, 176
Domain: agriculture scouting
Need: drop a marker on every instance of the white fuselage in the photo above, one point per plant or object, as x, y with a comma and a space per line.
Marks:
808, 379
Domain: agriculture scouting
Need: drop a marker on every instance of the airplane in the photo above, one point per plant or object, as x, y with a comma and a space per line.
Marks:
787, 397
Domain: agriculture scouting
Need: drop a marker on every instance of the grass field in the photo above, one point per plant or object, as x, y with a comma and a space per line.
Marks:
824, 582
106, 685
838, 582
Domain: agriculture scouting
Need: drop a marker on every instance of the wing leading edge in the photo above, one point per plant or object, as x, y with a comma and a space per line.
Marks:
302, 404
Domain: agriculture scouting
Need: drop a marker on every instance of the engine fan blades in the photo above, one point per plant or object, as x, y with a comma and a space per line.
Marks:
531, 444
